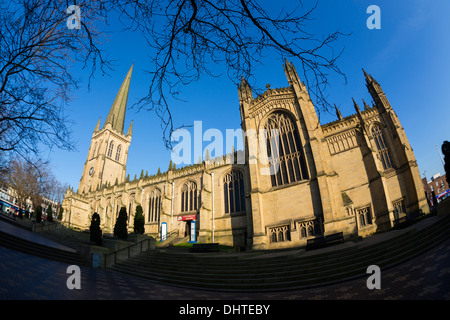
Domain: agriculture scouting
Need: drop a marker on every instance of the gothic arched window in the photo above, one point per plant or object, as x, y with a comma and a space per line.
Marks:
362, 220
382, 147
110, 150
118, 202
108, 208
365, 217
99, 147
302, 232
131, 208
234, 193
310, 231
154, 206
95, 148
119, 149
189, 196
284, 149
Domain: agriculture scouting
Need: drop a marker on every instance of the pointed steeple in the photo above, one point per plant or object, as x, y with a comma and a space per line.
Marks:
292, 76
366, 106
338, 113
116, 116
368, 76
245, 91
356, 106
245, 97
376, 92
97, 127
130, 129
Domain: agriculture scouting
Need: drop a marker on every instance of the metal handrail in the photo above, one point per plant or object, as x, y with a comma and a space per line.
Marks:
171, 233
128, 250
176, 231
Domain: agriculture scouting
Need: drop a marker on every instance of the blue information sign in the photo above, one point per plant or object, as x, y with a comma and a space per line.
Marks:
163, 231
193, 232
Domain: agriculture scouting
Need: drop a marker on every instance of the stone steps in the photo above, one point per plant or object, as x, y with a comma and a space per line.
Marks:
288, 270
16, 243
169, 259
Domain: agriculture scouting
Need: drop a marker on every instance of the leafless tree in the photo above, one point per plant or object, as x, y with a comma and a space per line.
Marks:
53, 189
38, 52
192, 37
27, 180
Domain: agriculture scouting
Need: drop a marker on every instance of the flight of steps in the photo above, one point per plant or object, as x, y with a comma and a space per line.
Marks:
173, 241
291, 269
12, 242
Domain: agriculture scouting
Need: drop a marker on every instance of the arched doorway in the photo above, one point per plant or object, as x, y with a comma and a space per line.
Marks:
187, 228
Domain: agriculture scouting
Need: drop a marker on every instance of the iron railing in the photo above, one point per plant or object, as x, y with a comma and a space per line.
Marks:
126, 253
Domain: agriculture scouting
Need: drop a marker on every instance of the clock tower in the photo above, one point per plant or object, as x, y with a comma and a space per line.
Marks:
107, 157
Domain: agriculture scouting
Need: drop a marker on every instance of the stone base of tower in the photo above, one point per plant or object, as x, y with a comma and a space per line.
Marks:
347, 225
260, 242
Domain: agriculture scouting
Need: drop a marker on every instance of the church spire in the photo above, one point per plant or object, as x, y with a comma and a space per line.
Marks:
366, 106
245, 97
116, 116
376, 92
97, 127
338, 113
292, 75
367, 76
130, 129
357, 109
245, 91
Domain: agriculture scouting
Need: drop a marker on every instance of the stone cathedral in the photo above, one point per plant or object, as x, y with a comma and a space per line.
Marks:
355, 175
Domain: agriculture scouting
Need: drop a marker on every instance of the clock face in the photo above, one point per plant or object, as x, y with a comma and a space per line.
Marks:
91, 171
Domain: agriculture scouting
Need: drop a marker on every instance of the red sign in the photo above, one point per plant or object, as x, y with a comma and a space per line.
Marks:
187, 217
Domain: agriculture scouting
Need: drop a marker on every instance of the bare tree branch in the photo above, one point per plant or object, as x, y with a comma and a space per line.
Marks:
191, 38
38, 53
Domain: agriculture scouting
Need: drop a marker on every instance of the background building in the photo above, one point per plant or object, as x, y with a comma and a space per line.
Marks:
9, 203
438, 183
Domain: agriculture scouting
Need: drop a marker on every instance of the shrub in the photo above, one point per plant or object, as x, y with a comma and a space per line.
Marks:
446, 152
49, 213
38, 213
120, 229
95, 230
139, 221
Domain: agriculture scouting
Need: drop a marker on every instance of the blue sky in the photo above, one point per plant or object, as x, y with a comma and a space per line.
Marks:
409, 56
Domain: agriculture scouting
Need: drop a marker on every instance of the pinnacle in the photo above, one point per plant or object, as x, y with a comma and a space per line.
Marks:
116, 116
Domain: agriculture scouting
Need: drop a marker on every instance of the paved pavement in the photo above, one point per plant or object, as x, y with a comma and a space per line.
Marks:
26, 277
